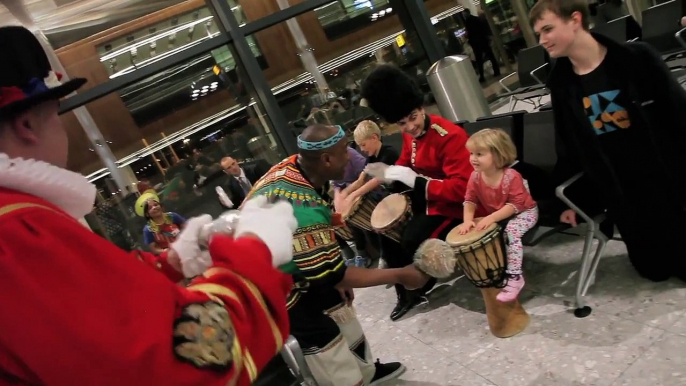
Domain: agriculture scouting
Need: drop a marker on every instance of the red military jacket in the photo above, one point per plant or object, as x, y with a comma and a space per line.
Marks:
441, 159
76, 310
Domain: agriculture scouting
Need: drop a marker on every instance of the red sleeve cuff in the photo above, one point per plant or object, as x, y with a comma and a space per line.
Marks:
160, 264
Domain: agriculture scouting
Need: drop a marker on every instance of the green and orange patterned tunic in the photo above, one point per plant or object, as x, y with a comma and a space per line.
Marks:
316, 252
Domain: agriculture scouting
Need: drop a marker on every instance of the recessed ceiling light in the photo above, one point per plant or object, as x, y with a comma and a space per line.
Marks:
389, 10
214, 84
382, 13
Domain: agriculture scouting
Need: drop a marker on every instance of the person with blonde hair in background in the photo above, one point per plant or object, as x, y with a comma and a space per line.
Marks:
368, 139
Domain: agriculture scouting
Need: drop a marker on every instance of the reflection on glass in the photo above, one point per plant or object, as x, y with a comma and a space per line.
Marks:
170, 133
344, 63
157, 41
507, 26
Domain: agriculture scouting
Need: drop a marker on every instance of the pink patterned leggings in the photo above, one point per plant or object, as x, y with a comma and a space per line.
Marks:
514, 231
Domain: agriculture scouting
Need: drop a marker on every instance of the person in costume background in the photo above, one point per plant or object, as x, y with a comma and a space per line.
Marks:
162, 228
433, 163
77, 310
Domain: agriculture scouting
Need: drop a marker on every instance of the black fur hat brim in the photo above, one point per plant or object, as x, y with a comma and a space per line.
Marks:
391, 93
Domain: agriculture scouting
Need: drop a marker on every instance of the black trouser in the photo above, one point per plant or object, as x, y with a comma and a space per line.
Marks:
481, 50
652, 228
359, 237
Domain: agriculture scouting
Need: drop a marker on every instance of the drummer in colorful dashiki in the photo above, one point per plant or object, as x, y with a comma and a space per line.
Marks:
319, 305
433, 162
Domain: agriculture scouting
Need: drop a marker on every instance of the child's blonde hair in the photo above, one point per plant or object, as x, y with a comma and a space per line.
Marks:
497, 142
365, 130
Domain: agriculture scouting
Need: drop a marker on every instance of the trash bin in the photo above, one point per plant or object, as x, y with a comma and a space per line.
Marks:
456, 89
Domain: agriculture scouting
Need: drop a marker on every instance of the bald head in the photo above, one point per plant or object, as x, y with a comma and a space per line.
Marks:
230, 166
317, 133
327, 163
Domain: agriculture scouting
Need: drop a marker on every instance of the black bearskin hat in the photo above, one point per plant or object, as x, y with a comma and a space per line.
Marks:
391, 93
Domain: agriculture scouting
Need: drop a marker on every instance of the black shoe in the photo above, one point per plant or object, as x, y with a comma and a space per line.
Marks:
386, 371
406, 301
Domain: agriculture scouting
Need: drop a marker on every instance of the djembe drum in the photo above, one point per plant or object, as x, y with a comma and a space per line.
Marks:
482, 257
391, 215
359, 214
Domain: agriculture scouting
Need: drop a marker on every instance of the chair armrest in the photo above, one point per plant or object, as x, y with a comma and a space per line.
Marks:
503, 84
533, 72
559, 192
679, 38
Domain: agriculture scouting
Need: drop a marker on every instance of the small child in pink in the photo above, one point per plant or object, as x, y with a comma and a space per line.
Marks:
499, 191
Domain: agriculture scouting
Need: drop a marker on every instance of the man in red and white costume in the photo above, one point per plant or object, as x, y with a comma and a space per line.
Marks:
76, 310
434, 163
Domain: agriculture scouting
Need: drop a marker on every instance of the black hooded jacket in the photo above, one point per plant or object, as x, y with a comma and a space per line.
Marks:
656, 105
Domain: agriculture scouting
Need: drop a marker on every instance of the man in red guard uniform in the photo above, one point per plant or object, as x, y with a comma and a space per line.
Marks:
433, 162
76, 310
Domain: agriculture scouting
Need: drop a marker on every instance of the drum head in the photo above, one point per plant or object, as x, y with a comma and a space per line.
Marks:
388, 211
455, 239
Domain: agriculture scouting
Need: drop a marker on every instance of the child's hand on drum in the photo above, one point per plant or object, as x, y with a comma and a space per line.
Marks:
484, 223
465, 227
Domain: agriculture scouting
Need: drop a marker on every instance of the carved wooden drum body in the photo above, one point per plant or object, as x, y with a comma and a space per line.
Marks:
360, 213
482, 257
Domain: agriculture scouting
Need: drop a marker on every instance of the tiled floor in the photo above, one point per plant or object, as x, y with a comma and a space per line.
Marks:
636, 334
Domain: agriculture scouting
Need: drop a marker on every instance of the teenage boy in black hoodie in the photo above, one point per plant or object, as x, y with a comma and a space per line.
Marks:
621, 118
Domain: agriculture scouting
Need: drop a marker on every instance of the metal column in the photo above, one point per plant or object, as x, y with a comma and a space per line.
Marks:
414, 17
306, 53
519, 8
497, 41
256, 79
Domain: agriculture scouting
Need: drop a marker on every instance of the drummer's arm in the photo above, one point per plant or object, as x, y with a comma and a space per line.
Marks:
362, 277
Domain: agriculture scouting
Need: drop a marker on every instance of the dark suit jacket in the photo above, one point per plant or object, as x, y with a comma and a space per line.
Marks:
254, 170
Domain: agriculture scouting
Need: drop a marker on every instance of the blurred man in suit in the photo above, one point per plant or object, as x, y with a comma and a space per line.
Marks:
246, 177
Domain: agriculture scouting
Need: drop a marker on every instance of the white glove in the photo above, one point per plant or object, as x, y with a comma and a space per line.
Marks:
194, 261
401, 173
274, 224
223, 197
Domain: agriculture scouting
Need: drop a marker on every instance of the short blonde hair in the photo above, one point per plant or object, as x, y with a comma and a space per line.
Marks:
497, 142
365, 130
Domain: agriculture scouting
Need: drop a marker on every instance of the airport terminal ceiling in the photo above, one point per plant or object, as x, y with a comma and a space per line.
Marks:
165, 102
68, 21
